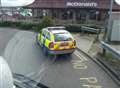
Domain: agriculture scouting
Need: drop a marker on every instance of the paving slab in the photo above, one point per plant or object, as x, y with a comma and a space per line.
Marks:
83, 42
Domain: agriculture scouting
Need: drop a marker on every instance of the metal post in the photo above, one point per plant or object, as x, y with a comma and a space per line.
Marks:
104, 52
109, 29
0, 3
1, 9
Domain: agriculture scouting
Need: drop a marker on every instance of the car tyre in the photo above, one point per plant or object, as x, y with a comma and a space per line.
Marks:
70, 54
45, 50
37, 40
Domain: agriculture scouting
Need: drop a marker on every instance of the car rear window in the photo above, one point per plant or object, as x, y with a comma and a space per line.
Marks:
62, 37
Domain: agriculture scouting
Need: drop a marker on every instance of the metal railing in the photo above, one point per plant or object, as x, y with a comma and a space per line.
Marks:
91, 30
112, 50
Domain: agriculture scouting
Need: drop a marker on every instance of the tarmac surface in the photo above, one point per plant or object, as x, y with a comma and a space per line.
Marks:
25, 57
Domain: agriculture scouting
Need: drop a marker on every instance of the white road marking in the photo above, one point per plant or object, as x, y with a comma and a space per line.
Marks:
79, 66
76, 61
92, 80
92, 86
38, 75
80, 56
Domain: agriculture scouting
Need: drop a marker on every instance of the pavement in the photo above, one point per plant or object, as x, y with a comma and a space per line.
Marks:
25, 57
84, 42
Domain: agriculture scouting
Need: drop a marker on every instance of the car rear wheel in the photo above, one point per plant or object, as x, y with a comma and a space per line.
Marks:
37, 40
70, 53
45, 50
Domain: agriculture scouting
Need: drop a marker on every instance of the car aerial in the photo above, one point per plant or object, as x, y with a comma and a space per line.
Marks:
56, 40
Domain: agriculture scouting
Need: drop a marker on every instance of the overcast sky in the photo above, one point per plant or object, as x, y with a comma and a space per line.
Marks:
13, 3
118, 2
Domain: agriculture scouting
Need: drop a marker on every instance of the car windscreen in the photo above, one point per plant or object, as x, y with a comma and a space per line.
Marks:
62, 37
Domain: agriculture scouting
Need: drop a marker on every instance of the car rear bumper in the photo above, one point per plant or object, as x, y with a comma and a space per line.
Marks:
61, 51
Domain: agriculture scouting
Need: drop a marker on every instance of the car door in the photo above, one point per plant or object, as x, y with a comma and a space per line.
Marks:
48, 39
43, 37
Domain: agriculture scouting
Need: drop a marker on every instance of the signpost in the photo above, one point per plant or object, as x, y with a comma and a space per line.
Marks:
109, 29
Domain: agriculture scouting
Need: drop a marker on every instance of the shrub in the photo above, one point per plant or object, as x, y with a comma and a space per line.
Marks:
46, 22
21, 25
27, 26
16, 24
5, 24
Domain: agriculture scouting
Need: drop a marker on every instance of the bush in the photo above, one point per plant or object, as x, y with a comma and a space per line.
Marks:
21, 25
27, 26
16, 24
5, 24
46, 22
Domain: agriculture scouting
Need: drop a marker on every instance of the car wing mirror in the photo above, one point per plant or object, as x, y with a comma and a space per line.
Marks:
15, 3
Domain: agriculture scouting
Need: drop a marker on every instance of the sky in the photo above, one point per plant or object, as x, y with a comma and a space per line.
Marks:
118, 2
14, 3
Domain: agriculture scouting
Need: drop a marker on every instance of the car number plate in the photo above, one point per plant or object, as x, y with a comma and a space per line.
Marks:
64, 44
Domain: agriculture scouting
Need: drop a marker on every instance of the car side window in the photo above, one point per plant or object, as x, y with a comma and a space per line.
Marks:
48, 36
43, 33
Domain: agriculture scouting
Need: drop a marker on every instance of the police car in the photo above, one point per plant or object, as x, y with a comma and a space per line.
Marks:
56, 40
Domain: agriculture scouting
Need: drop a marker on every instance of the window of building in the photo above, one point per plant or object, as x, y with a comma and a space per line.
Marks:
94, 15
67, 14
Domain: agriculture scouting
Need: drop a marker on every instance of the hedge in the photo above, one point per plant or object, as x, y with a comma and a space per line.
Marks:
46, 22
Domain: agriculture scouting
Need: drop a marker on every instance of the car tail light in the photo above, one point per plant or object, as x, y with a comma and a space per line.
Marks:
74, 43
51, 45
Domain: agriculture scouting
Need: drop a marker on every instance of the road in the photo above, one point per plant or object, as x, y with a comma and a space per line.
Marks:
25, 57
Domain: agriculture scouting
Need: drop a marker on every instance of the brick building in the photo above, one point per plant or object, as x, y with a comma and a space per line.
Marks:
73, 10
